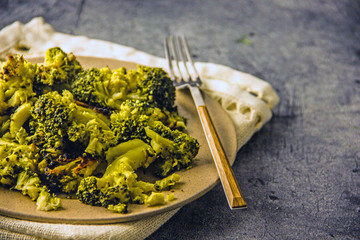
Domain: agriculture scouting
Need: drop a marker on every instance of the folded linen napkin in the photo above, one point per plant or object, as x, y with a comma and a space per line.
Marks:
248, 101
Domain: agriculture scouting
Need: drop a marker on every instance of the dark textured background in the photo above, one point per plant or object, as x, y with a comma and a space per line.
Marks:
301, 173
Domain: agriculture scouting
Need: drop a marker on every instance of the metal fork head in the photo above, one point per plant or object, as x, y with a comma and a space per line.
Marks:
175, 47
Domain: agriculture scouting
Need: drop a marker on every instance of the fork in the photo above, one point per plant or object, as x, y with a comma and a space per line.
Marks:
179, 46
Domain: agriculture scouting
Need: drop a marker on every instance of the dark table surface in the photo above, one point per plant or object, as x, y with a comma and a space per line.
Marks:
301, 173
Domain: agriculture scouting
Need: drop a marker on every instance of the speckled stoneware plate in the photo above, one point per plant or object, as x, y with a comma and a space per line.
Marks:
194, 182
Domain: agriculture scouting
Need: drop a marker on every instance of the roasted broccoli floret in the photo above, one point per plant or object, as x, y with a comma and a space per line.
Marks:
18, 170
57, 121
174, 149
101, 87
106, 88
69, 172
96, 192
51, 116
153, 85
93, 133
88, 192
16, 83
47, 201
72, 139
14, 158
134, 115
29, 183
58, 70
119, 186
113, 187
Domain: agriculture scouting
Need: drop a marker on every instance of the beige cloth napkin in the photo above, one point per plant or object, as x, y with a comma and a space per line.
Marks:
248, 101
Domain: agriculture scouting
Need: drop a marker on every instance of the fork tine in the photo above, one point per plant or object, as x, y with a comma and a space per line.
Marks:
189, 57
183, 59
173, 48
168, 58
174, 52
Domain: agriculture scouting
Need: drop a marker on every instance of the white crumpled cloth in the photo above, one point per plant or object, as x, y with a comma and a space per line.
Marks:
248, 101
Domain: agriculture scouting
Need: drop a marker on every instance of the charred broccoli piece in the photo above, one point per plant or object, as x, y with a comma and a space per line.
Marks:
58, 70
119, 186
88, 191
108, 89
57, 121
18, 170
21, 81
153, 85
92, 131
68, 173
16, 83
47, 201
72, 139
94, 191
174, 149
29, 184
14, 158
134, 115
101, 87
51, 116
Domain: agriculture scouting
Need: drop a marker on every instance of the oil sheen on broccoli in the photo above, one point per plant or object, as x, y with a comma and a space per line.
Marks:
87, 133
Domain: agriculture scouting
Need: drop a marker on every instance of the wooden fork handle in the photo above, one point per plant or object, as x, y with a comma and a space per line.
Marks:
227, 177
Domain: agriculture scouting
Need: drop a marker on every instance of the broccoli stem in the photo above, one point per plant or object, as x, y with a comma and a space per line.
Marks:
121, 149
20, 116
132, 159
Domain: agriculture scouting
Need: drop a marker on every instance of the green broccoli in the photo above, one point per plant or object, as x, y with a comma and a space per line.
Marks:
18, 118
4, 124
47, 201
57, 121
69, 172
150, 193
58, 70
153, 85
18, 167
50, 118
16, 82
14, 158
174, 149
94, 135
134, 115
21, 81
101, 87
72, 139
29, 184
108, 89
119, 186
88, 191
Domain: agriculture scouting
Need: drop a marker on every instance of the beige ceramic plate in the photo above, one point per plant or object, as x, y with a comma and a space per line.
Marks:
194, 182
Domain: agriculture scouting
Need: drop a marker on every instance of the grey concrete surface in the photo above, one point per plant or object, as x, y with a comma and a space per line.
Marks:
301, 173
